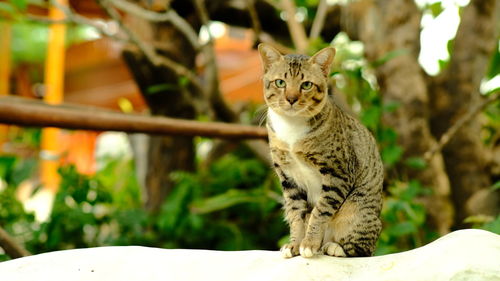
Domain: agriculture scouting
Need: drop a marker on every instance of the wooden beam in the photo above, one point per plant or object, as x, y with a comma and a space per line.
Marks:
5, 39
54, 83
26, 112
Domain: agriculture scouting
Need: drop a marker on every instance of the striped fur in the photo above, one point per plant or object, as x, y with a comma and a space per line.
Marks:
328, 163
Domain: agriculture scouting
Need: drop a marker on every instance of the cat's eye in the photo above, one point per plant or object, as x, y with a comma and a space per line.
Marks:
306, 85
280, 83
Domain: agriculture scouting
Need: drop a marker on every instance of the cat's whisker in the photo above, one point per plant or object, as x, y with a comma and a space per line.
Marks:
261, 115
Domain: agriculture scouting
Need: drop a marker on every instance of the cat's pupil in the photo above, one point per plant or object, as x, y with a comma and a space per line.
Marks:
280, 83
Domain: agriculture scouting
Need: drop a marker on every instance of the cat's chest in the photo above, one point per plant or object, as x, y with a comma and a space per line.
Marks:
288, 129
306, 177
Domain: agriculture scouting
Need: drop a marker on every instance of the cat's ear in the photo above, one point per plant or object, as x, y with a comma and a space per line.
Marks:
268, 55
324, 59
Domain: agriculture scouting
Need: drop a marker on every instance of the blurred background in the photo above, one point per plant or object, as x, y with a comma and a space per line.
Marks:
422, 75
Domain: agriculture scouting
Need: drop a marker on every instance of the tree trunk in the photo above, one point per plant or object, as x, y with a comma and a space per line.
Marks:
166, 96
394, 26
453, 93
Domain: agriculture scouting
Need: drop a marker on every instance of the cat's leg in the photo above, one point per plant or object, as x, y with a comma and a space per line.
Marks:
356, 226
296, 213
334, 191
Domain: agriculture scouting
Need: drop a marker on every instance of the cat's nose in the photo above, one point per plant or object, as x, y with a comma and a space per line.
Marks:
292, 99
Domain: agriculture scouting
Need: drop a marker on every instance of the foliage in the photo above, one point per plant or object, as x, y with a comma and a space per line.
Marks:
29, 37
404, 219
493, 225
228, 206
355, 80
12, 215
232, 205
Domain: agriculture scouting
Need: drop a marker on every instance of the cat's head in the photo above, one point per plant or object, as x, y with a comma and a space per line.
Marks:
296, 85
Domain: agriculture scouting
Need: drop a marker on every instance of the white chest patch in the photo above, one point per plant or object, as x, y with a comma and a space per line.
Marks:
306, 177
288, 129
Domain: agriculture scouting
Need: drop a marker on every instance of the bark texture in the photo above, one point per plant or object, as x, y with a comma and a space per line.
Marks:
165, 154
394, 26
453, 93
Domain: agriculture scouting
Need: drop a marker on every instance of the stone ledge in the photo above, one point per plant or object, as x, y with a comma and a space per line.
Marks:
462, 255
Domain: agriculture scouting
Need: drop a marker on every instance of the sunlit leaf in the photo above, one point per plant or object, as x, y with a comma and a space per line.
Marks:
401, 229
7, 8
183, 81
20, 4
416, 163
158, 88
493, 226
494, 68
435, 8
388, 135
478, 219
370, 117
391, 154
230, 198
496, 185
391, 106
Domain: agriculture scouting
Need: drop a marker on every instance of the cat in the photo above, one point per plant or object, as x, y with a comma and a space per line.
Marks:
328, 163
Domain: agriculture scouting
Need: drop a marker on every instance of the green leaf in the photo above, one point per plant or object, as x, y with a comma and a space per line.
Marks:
493, 91
391, 154
401, 229
449, 45
478, 219
183, 81
417, 163
494, 68
391, 106
285, 239
155, 89
385, 250
6, 165
20, 4
493, 226
333, 73
435, 8
496, 185
442, 64
7, 8
388, 135
223, 201
371, 117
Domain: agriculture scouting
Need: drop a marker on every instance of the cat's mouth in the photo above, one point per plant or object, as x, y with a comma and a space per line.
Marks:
294, 109
299, 109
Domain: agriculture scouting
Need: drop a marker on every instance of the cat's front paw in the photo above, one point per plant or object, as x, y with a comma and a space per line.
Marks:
333, 249
309, 247
290, 250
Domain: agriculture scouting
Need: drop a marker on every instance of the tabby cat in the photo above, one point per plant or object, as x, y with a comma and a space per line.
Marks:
328, 163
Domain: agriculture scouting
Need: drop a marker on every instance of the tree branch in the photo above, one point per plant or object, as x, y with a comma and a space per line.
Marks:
221, 108
72, 17
297, 30
448, 135
149, 51
254, 17
10, 246
319, 20
170, 16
